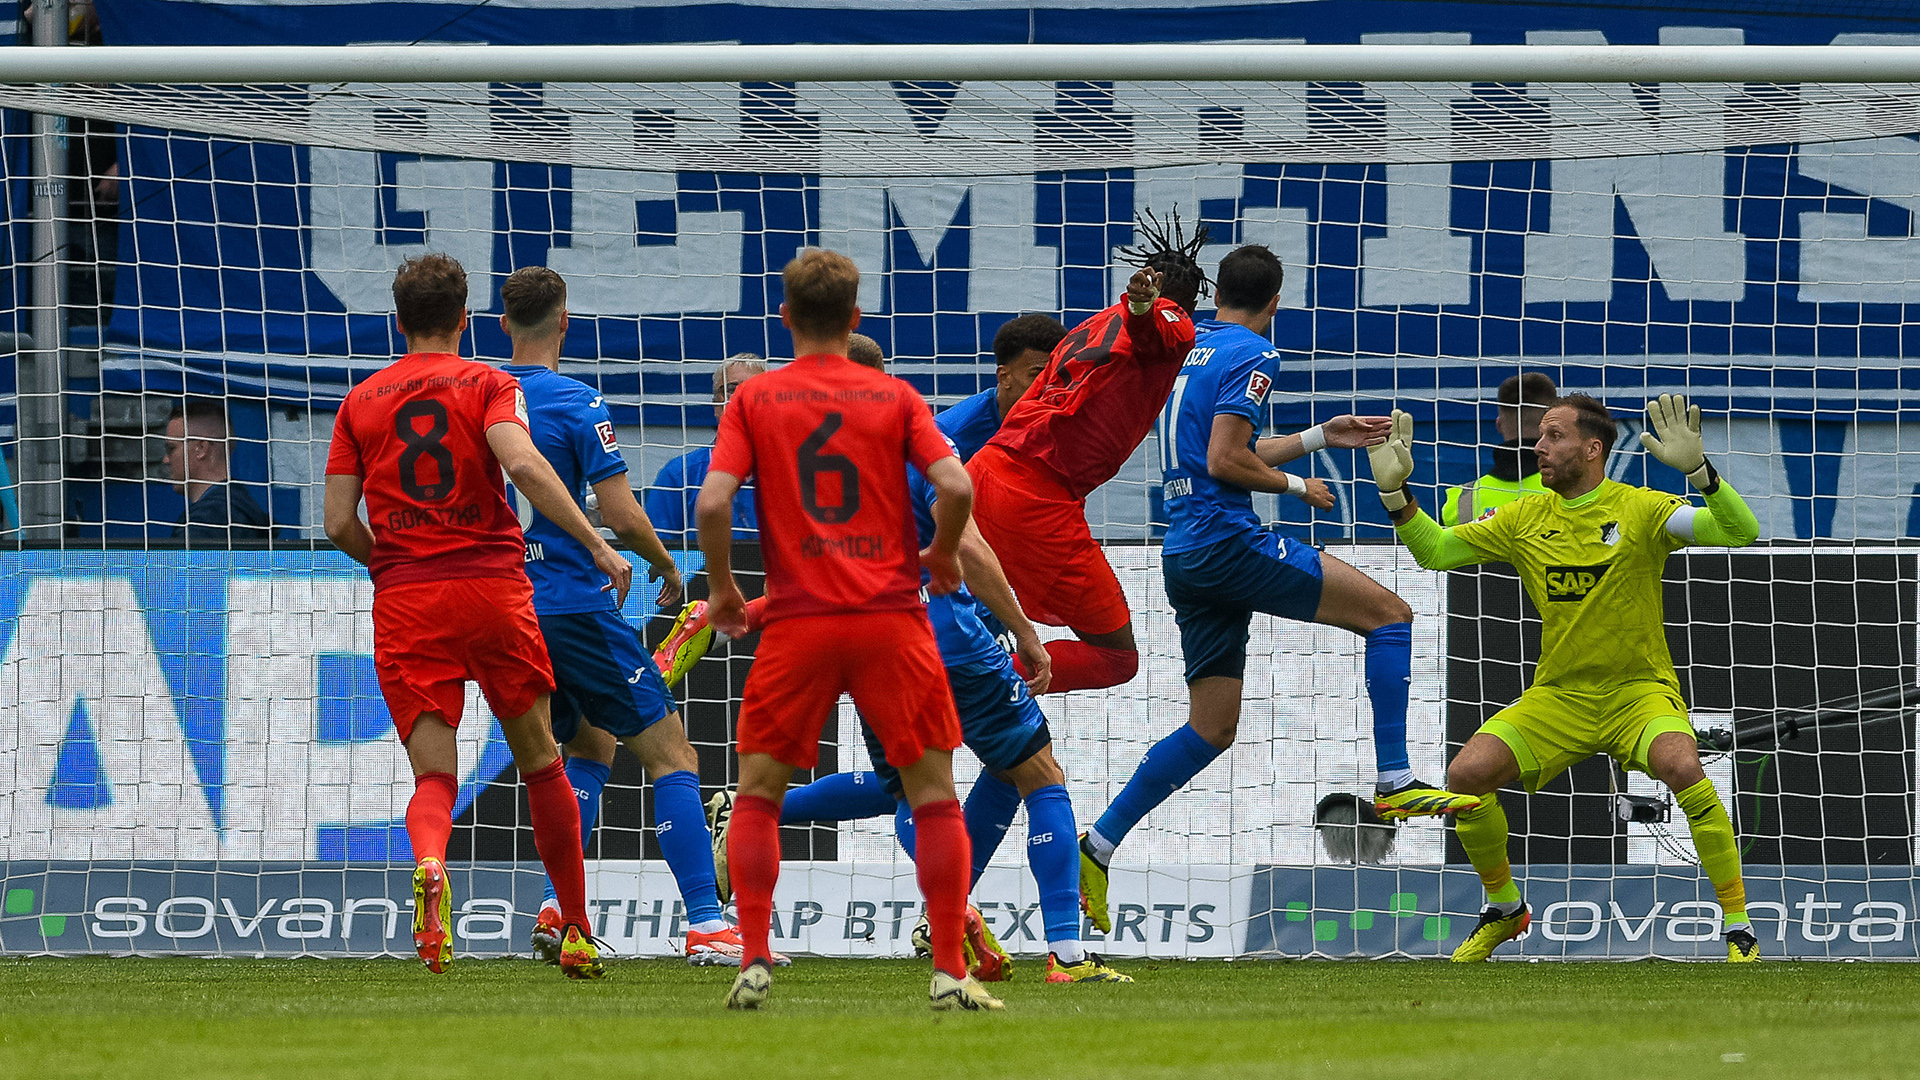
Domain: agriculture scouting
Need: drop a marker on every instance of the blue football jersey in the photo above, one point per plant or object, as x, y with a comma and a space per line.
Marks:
670, 501
1229, 371
574, 433
957, 629
969, 423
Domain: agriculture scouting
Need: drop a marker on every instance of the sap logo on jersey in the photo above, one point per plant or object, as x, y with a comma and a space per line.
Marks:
1570, 583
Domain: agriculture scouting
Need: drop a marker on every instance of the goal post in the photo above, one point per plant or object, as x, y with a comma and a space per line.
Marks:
195, 754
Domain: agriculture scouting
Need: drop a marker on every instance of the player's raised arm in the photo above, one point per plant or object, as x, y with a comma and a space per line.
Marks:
1433, 547
630, 523
1673, 437
1231, 460
535, 478
1347, 432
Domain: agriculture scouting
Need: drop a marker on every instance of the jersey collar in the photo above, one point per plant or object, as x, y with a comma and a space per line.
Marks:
1577, 503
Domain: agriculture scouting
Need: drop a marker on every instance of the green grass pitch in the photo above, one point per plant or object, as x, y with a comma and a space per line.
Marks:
142, 1019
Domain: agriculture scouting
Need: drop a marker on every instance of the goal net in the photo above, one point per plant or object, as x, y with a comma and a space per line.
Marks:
194, 754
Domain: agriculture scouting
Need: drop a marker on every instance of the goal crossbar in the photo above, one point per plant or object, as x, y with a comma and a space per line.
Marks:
1277, 62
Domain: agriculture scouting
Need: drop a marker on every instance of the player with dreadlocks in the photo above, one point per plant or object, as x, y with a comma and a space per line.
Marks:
1099, 395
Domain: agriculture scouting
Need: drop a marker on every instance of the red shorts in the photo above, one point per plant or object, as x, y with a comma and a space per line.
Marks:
430, 637
1039, 530
886, 659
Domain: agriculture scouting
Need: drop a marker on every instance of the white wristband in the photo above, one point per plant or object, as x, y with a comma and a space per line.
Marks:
1314, 439
1295, 485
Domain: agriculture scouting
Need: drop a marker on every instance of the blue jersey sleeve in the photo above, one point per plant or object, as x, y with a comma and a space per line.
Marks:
594, 442
1243, 386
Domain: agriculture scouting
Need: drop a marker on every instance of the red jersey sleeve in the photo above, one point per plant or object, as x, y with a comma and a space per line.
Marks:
733, 446
1163, 335
343, 455
506, 402
926, 443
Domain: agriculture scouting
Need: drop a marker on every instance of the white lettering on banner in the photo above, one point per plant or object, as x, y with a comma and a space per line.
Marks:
1878, 920
1556, 921
1629, 930
1839, 262
1806, 908
1706, 923
484, 919
115, 917
838, 909
197, 907
347, 199
609, 272
1675, 201
389, 914
1420, 260
82, 665
865, 125
304, 918
283, 783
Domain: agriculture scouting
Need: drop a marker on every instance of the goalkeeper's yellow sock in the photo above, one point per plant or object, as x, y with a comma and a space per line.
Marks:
1719, 851
1483, 833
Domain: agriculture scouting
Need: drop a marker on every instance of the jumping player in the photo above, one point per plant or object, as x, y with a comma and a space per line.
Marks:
602, 669
1075, 426
1021, 348
828, 443
424, 441
1002, 724
1590, 555
1222, 565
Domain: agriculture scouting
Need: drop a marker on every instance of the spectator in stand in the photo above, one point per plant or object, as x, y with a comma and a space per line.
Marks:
1523, 400
670, 500
218, 512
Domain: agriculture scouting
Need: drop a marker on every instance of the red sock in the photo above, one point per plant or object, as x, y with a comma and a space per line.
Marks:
756, 614
1080, 666
753, 863
556, 833
944, 858
430, 814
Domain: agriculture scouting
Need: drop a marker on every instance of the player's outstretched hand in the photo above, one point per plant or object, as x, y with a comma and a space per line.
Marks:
1392, 461
1673, 435
1317, 495
945, 570
1039, 662
616, 567
727, 608
672, 587
1144, 287
1357, 432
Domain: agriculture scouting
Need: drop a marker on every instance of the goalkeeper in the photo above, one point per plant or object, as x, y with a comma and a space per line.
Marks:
1590, 555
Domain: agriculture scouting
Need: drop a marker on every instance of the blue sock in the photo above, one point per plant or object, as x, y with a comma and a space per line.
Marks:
1169, 764
587, 777
1389, 674
990, 809
1053, 851
837, 797
903, 826
680, 822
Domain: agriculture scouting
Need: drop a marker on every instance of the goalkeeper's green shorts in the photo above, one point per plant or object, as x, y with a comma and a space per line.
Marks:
1550, 729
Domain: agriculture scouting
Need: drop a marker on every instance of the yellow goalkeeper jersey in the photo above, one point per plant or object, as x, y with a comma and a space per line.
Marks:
1592, 567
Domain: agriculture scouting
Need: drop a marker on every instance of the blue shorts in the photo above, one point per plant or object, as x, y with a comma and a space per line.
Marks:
1215, 590
602, 672
999, 720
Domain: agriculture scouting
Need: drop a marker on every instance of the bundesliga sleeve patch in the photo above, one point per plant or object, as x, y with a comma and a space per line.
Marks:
604, 429
1257, 386
520, 404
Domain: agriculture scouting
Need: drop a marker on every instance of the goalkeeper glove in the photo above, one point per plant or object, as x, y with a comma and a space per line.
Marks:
1392, 462
1674, 438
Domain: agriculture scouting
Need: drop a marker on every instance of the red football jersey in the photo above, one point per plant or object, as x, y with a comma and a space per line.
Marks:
828, 442
416, 436
1100, 393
